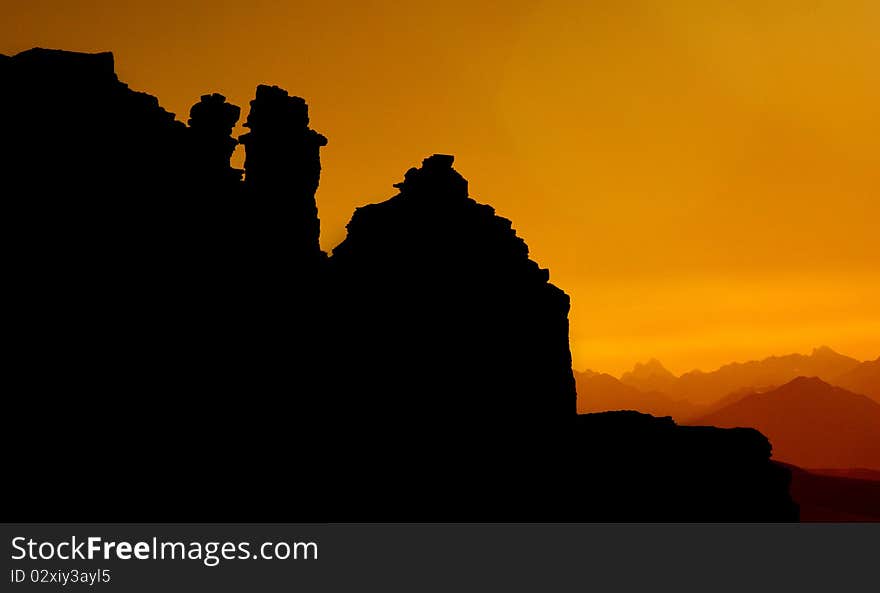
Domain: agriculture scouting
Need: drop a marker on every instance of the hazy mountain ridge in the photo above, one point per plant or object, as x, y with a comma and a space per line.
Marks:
832, 424
864, 379
810, 424
601, 392
702, 392
650, 376
708, 387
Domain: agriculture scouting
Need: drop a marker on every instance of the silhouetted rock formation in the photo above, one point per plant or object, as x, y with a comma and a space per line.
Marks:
282, 273
92, 185
283, 167
431, 275
211, 121
151, 296
642, 468
74, 124
181, 331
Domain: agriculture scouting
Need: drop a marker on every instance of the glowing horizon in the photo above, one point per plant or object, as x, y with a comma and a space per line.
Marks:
700, 178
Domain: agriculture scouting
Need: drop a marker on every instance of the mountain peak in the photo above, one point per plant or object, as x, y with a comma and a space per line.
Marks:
810, 423
649, 376
436, 177
801, 382
651, 367
825, 351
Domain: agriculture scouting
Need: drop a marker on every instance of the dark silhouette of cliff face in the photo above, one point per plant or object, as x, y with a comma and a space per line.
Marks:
92, 185
432, 277
180, 329
283, 169
73, 123
151, 295
210, 122
642, 468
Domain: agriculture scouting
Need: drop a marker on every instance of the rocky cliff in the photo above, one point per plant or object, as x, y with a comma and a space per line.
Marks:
179, 327
283, 168
431, 276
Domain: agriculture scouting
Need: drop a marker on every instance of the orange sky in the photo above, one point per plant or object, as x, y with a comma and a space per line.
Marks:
700, 176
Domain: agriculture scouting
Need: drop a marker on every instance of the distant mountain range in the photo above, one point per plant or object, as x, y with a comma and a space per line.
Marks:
810, 423
600, 392
650, 376
820, 410
699, 393
864, 379
708, 387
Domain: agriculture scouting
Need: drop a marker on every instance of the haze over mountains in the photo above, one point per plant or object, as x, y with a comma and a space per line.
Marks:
809, 423
820, 410
600, 392
703, 391
650, 376
708, 387
865, 379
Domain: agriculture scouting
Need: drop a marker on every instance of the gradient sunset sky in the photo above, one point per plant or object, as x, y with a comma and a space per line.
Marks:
702, 177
